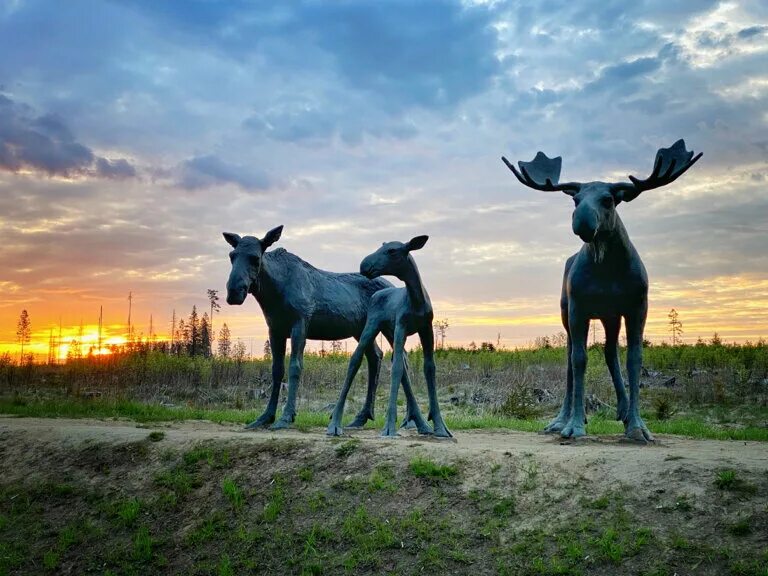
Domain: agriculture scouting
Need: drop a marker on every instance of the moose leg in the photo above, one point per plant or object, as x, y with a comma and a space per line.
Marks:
428, 344
635, 428
398, 367
373, 355
579, 328
335, 427
561, 420
298, 341
277, 345
612, 326
413, 415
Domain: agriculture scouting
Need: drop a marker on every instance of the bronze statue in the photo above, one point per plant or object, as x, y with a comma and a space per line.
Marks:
300, 302
397, 313
605, 280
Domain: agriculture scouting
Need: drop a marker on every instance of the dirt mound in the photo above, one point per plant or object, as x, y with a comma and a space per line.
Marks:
85, 496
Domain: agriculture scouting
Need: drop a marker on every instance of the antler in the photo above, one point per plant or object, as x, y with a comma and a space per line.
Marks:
543, 173
670, 164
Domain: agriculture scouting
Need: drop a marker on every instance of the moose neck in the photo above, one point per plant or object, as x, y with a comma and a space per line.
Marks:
611, 248
416, 292
264, 286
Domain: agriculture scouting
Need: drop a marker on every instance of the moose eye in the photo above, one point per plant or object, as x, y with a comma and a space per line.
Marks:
607, 201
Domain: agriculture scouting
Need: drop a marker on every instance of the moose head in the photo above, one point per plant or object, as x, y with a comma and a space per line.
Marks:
392, 259
595, 212
246, 261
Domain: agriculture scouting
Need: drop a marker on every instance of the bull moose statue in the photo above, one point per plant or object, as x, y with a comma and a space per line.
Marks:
301, 302
605, 280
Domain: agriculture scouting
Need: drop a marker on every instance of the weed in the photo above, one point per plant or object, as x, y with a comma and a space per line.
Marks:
382, 479
531, 472
505, 507
207, 529
225, 566
128, 511
601, 503
425, 468
346, 448
741, 527
609, 548
233, 493
306, 474
726, 479
177, 480
156, 436
730, 481
142, 545
276, 500
198, 454
50, 560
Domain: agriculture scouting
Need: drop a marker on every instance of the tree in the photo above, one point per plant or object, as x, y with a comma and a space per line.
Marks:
441, 327
336, 347
205, 336
716, 340
675, 326
240, 352
225, 343
267, 350
213, 298
193, 333
23, 330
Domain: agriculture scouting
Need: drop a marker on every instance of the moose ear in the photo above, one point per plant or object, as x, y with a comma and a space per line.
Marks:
271, 237
416, 243
232, 239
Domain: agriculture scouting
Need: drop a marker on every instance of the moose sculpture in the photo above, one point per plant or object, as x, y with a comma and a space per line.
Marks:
300, 302
605, 280
397, 313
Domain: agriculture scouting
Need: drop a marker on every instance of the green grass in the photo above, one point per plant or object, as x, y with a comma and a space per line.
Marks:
233, 493
426, 468
147, 413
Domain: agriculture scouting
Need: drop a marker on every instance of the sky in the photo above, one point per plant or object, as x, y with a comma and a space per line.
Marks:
132, 134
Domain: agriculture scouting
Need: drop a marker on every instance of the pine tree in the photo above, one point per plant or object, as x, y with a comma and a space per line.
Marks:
225, 343
675, 326
23, 331
193, 328
267, 350
205, 336
181, 337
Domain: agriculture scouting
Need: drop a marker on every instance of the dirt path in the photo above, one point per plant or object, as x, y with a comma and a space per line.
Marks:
605, 459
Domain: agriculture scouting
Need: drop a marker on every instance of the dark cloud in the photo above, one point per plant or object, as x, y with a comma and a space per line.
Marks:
210, 170
45, 144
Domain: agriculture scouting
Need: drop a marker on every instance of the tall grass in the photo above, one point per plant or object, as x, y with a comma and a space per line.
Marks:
718, 384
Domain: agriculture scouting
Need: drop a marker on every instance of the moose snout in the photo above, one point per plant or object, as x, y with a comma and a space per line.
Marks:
585, 225
367, 269
236, 295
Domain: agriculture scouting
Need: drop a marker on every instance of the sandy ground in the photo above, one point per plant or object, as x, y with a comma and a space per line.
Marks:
606, 460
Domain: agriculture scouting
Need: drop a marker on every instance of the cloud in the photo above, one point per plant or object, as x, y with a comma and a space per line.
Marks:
210, 170
45, 144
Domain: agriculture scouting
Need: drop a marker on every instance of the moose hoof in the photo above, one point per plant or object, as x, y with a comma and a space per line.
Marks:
281, 424
334, 430
261, 422
573, 431
639, 434
441, 431
408, 424
389, 432
359, 421
555, 427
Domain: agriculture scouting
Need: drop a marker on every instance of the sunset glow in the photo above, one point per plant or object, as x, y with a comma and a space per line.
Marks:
127, 149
